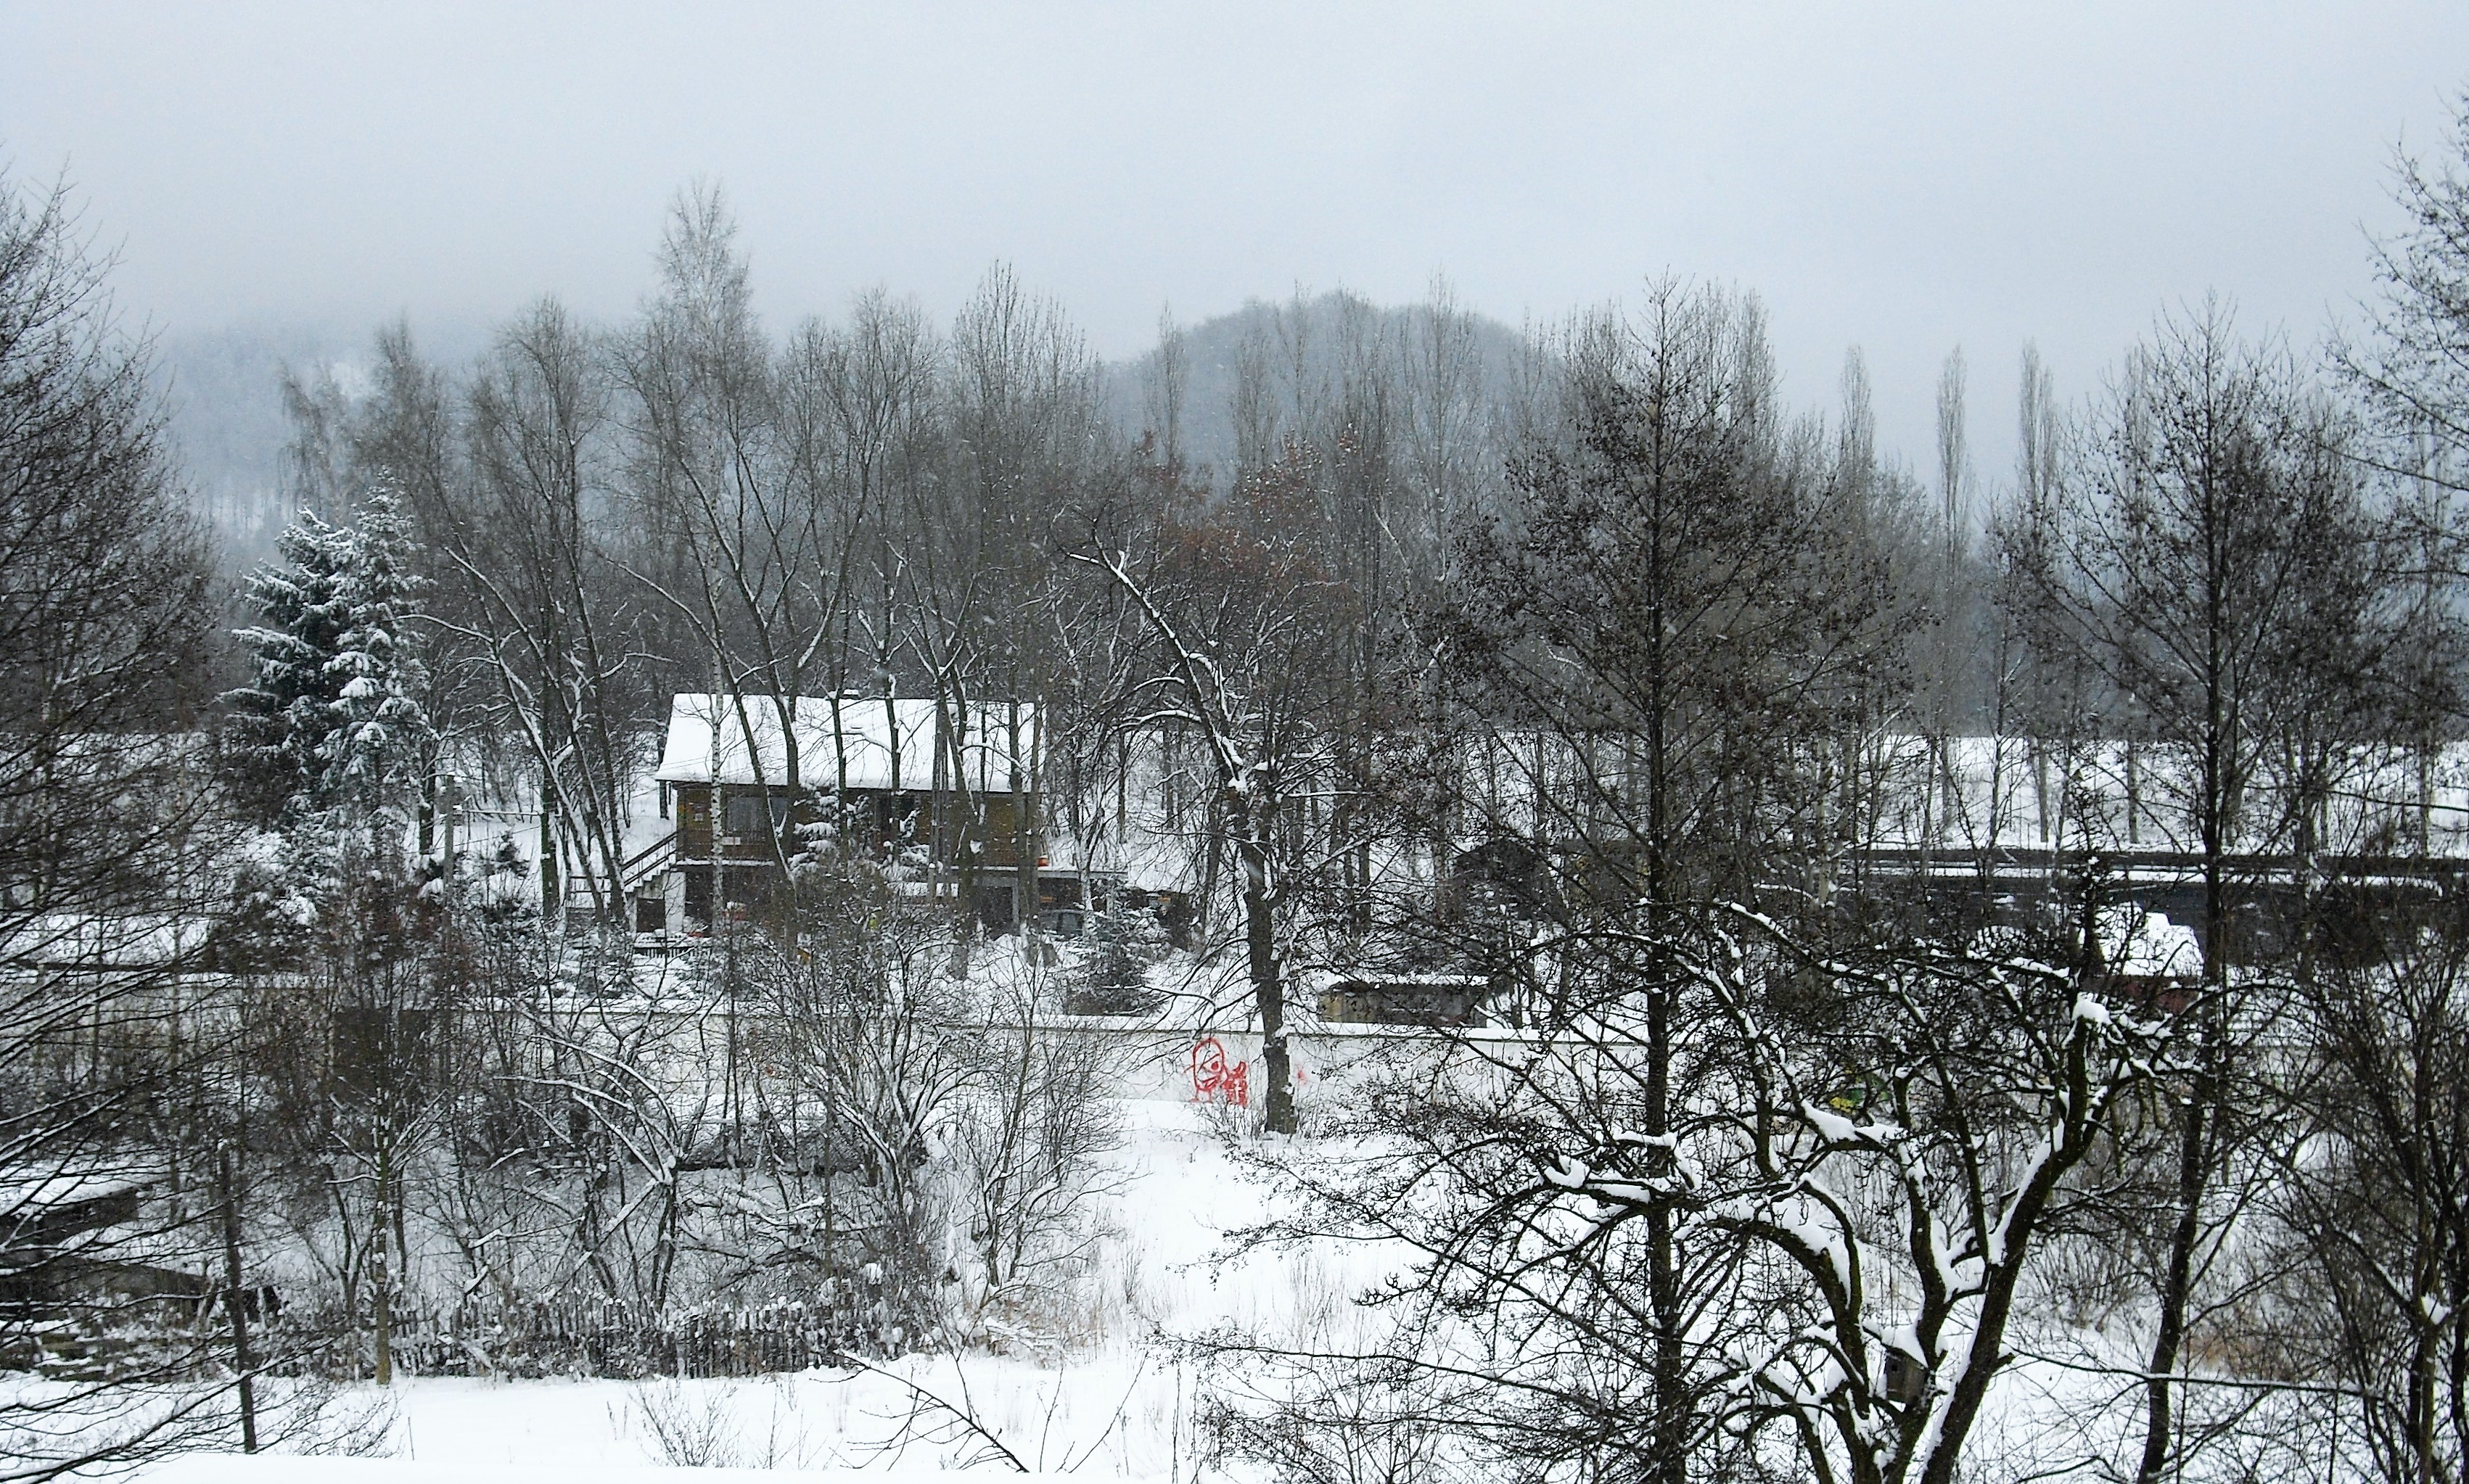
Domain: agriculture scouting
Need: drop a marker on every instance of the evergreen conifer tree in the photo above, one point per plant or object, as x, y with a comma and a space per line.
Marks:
333, 723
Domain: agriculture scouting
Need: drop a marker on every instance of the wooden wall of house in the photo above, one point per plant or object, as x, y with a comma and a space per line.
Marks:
702, 821
694, 822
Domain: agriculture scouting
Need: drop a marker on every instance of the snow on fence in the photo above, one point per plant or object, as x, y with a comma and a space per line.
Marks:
481, 1337
611, 1337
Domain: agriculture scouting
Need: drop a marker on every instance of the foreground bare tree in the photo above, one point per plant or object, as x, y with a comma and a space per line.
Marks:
111, 845
546, 619
2373, 1196
1664, 661
1873, 1153
752, 566
2211, 558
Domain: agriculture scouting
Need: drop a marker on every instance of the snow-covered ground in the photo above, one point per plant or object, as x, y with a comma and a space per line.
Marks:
1122, 1401
1118, 1405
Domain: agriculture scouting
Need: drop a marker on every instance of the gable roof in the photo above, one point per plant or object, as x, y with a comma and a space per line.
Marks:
709, 741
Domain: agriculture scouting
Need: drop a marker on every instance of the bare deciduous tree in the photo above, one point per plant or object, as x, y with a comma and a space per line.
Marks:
114, 855
2210, 559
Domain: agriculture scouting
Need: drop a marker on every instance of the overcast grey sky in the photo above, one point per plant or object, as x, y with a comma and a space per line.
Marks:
1905, 178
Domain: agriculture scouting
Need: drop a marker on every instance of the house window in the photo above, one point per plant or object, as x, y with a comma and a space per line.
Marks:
745, 815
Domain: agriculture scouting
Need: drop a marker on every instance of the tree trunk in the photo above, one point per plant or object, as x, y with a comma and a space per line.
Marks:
235, 1298
1025, 825
381, 1310
1268, 991
2176, 1284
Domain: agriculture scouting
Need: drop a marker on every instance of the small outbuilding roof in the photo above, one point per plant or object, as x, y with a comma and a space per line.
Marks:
709, 742
2145, 944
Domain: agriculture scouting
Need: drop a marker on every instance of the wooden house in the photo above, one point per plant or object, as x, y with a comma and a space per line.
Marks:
949, 794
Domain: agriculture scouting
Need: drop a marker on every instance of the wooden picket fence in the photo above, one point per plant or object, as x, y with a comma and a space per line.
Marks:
613, 1337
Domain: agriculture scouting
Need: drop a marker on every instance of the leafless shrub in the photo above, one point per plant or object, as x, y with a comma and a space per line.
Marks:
1027, 1148
688, 1426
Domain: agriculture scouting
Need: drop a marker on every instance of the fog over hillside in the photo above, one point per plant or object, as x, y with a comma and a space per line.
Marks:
223, 401
1333, 324
223, 392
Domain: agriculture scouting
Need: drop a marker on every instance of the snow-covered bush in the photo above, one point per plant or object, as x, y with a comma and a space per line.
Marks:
1027, 1147
1113, 976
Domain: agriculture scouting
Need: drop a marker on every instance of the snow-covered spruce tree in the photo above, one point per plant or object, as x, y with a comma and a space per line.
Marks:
282, 717
333, 721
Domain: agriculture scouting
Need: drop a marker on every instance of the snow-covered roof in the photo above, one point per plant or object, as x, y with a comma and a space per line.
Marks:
2002, 797
709, 741
2147, 946
73, 1183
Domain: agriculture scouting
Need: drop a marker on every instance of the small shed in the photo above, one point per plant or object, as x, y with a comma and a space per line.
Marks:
1434, 1000
2149, 958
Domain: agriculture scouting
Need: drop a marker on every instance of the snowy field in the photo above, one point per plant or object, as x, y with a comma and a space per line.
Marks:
1119, 1405
1122, 1402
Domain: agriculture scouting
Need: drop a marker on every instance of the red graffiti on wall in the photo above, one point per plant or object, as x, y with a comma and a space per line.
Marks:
1214, 1078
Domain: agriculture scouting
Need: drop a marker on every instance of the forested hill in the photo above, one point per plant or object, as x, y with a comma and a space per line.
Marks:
222, 392
1306, 343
